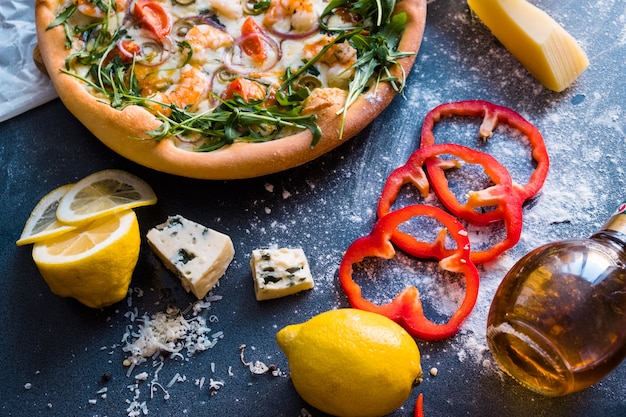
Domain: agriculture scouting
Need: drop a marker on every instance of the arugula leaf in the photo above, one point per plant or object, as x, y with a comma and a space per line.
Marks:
392, 31
234, 120
62, 19
291, 76
375, 37
376, 54
63, 16
374, 13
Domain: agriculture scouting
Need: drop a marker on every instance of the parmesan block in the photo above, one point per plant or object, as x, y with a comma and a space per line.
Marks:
198, 255
279, 272
543, 46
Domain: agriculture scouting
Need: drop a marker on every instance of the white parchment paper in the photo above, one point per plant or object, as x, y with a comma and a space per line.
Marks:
22, 85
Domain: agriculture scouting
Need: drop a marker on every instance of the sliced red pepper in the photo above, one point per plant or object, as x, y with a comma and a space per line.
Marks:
412, 172
406, 308
153, 17
510, 203
501, 195
492, 114
253, 43
419, 406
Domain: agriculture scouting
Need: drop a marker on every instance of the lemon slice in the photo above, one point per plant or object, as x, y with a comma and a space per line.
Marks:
101, 194
42, 222
94, 263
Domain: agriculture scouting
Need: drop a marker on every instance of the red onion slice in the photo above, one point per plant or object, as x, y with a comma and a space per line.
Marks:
294, 35
159, 51
122, 49
152, 52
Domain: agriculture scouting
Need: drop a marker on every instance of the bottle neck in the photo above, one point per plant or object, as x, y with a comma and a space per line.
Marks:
614, 230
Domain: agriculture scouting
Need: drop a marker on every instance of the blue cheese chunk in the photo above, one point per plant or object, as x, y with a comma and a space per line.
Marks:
279, 272
198, 255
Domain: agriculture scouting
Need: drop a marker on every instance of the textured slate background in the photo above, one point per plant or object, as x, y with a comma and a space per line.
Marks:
62, 348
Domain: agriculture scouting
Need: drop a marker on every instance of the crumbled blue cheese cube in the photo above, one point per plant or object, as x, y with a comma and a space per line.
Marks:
198, 255
279, 272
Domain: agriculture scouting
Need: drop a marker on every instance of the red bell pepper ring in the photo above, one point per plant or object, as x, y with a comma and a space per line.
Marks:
153, 17
412, 172
406, 308
511, 205
501, 195
492, 114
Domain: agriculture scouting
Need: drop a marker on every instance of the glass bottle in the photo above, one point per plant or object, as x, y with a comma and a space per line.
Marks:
557, 323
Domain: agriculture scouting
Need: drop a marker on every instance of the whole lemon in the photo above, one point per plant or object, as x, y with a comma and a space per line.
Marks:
93, 263
349, 362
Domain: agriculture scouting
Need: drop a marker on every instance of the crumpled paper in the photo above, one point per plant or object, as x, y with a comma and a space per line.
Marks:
22, 85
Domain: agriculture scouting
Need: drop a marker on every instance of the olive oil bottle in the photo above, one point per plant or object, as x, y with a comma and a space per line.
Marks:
557, 323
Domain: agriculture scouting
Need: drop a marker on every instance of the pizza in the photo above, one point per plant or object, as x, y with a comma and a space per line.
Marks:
227, 89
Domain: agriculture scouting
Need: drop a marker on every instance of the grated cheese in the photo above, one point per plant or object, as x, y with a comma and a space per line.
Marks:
180, 333
256, 367
153, 387
175, 379
168, 331
215, 385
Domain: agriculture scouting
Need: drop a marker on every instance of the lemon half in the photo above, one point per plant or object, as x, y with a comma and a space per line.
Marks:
93, 263
351, 363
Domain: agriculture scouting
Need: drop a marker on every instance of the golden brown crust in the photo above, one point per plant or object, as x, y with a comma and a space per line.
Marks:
119, 130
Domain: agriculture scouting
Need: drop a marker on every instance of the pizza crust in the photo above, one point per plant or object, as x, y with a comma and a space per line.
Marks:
123, 130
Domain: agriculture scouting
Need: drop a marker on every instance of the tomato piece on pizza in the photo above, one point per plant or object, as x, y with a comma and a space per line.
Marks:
246, 89
153, 17
166, 84
252, 42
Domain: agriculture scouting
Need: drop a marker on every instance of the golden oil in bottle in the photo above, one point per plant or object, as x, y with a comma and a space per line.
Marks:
557, 323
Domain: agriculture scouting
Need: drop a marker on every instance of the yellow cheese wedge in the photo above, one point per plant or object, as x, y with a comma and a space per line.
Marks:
543, 46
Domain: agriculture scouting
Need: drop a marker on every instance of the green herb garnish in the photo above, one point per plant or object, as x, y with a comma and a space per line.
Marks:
376, 53
375, 37
374, 13
62, 19
376, 50
236, 120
